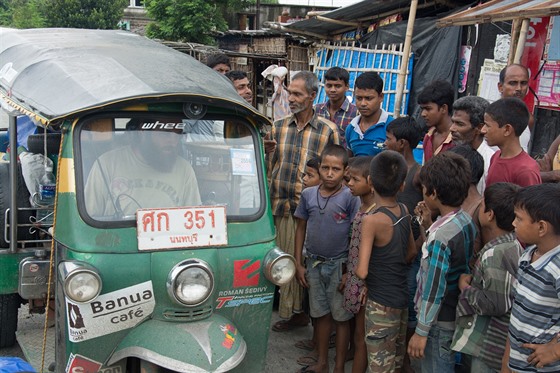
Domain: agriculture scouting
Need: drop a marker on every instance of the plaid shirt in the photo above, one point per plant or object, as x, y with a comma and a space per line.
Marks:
484, 308
342, 117
445, 256
293, 149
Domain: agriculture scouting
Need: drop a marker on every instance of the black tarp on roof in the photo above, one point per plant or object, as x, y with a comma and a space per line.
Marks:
363, 11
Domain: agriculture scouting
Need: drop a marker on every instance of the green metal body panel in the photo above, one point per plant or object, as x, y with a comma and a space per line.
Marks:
9, 265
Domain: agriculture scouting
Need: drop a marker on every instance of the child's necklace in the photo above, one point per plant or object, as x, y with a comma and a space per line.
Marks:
371, 207
322, 209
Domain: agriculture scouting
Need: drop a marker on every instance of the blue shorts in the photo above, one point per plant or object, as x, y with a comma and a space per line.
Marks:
324, 279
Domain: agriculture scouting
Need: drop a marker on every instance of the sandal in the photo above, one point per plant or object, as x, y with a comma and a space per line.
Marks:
307, 360
306, 369
305, 344
287, 325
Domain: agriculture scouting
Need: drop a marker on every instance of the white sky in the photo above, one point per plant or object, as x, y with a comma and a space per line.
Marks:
333, 3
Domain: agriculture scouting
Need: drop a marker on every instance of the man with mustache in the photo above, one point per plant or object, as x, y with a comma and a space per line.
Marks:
514, 82
146, 173
466, 123
292, 142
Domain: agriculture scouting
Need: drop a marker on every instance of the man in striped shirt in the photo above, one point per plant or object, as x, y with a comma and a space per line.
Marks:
293, 141
535, 316
486, 296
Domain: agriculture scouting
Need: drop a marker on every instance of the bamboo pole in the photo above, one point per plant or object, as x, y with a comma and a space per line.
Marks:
521, 41
515, 30
406, 56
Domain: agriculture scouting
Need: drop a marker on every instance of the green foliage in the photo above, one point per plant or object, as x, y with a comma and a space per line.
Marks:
21, 13
91, 14
186, 20
190, 20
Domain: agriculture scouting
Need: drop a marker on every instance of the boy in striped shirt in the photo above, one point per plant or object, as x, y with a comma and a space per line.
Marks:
535, 316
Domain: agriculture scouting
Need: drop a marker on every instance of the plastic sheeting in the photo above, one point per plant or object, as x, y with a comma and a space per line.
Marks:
436, 52
14, 364
358, 60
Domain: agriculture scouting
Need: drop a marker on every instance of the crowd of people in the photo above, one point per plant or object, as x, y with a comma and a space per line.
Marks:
401, 266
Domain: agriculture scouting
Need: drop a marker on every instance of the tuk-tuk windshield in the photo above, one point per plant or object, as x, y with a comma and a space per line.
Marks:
146, 161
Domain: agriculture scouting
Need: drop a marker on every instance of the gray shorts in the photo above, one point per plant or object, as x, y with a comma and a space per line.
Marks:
324, 298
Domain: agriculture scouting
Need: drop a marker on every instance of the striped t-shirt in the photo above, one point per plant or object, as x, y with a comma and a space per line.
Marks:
535, 316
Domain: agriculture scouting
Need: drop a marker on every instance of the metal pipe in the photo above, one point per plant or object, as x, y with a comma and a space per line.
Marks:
12, 125
406, 56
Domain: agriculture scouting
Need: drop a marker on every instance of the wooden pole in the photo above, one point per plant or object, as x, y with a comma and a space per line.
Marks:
515, 30
406, 56
521, 41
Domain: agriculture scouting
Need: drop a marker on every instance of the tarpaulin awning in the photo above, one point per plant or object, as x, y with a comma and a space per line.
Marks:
347, 18
502, 10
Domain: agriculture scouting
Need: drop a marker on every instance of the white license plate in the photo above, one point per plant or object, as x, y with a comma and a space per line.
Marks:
184, 227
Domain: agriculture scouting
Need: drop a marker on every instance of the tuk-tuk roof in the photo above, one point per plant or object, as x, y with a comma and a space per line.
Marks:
52, 74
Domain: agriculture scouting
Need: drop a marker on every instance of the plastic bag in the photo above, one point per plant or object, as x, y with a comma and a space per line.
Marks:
33, 168
14, 364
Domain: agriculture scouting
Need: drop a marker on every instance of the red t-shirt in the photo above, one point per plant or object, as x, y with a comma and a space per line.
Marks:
521, 170
428, 145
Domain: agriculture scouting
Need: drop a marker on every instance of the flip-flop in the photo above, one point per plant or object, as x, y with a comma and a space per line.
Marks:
306, 369
305, 344
286, 326
307, 360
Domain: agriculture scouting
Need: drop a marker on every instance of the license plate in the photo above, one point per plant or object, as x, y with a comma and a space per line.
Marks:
184, 227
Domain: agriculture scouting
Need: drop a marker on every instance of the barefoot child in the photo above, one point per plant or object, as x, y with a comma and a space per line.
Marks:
324, 215
359, 186
386, 247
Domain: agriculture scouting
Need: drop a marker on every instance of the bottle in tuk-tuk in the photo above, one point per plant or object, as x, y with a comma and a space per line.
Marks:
47, 189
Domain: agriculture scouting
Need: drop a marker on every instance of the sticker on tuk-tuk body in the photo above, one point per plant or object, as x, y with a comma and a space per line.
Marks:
242, 162
181, 227
246, 273
110, 313
81, 364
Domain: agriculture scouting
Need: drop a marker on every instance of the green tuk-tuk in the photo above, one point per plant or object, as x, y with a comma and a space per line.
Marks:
161, 252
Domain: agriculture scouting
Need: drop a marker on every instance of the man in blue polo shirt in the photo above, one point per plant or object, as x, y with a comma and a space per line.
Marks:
365, 135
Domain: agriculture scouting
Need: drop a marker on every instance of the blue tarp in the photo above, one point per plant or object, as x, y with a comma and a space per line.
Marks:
14, 364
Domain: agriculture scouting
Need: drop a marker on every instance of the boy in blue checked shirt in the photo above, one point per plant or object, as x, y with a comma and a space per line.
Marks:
534, 327
445, 256
324, 215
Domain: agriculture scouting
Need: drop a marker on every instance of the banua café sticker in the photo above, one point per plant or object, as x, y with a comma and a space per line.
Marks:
110, 313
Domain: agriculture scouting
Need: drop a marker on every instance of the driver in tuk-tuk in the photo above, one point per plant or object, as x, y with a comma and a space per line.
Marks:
147, 173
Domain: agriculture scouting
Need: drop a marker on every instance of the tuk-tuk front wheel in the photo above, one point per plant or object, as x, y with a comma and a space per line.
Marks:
9, 305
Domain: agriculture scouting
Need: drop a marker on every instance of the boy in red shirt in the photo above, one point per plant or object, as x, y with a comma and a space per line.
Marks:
504, 122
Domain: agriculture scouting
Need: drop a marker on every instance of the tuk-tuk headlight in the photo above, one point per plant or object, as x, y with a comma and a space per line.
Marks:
280, 267
82, 283
190, 283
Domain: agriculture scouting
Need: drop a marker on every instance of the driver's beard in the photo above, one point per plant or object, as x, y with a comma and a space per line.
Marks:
160, 162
